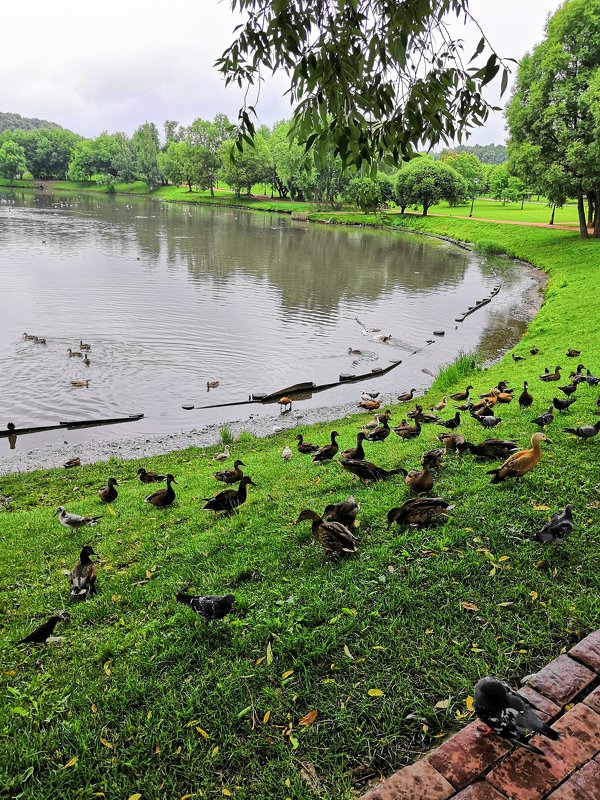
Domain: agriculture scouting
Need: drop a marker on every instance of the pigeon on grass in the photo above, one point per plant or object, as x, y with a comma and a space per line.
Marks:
209, 607
508, 714
558, 528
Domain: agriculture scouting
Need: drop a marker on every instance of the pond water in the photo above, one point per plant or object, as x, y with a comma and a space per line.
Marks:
171, 297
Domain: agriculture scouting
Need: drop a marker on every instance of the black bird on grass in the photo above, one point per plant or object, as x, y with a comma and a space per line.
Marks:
344, 512
83, 575
451, 424
584, 431
569, 389
490, 448
41, 634
563, 405
209, 607
229, 499
517, 358
558, 528
508, 715
367, 471
327, 452
488, 421
544, 419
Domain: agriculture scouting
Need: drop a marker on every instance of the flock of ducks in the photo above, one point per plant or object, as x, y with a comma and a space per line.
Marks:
82, 353
504, 712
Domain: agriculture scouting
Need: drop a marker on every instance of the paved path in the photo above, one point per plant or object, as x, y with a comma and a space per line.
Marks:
471, 766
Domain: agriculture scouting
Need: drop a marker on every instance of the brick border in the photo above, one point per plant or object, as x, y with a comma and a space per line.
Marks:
469, 766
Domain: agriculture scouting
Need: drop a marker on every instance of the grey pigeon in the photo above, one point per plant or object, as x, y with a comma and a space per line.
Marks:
558, 528
544, 419
74, 521
489, 422
584, 431
209, 607
508, 714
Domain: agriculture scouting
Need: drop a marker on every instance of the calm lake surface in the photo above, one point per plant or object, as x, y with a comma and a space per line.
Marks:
172, 296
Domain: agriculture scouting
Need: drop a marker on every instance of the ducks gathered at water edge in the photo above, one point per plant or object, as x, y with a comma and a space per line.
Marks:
451, 441
86, 360
406, 431
108, 493
508, 714
521, 462
223, 456
212, 385
335, 538
525, 398
419, 512
41, 634
558, 528
516, 358
585, 431
84, 346
287, 453
83, 575
460, 396
328, 451
81, 384
231, 475
305, 447
451, 424
229, 499
72, 462
370, 405
551, 376
163, 497
210, 607
432, 459
365, 330
285, 404
369, 395
29, 337
150, 477
75, 521
441, 405
358, 451
367, 471
571, 353
344, 512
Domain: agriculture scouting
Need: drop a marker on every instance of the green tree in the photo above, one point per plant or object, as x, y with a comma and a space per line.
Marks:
374, 78
369, 194
242, 169
287, 158
146, 144
171, 162
206, 139
553, 109
466, 164
48, 151
83, 162
12, 160
425, 182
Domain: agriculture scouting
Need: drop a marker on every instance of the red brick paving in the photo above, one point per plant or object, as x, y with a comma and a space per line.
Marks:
472, 766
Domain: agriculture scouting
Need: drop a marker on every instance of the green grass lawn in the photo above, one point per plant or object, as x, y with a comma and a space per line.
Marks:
142, 697
486, 208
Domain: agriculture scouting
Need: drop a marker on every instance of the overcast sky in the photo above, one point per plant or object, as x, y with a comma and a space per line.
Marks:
93, 65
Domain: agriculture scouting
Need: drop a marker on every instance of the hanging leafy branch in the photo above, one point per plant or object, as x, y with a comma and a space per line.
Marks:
374, 77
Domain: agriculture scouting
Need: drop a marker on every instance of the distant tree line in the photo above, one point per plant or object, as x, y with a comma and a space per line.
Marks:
12, 122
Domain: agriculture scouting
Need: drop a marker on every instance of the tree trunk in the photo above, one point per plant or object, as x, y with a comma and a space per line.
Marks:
596, 215
189, 183
212, 189
552, 215
425, 209
581, 214
590, 211
522, 202
402, 209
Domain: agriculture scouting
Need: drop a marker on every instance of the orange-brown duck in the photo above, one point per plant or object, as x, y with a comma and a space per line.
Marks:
367, 471
150, 477
334, 537
521, 462
358, 451
525, 398
419, 511
163, 497
108, 493
370, 405
441, 405
231, 475
551, 376
419, 481
305, 447
229, 499
460, 396
83, 575
327, 452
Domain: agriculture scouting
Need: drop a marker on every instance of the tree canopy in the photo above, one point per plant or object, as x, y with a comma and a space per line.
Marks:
373, 78
425, 182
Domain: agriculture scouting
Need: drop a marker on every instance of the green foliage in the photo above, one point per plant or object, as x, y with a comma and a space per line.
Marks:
226, 434
12, 160
369, 194
463, 368
146, 145
486, 153
371, 79
47, 150
13, 122
425, 182
489, 248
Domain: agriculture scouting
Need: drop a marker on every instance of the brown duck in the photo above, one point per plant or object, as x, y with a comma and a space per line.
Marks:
370, 405
490, 448
108, 493
380, 433
432, 459
334, 537
525, 398
419, 511
358, 451
327, 452
406, 396
521, 462
451, 440
344, 512
163, 497
83, 575
305, 447
406, 431
419, 481
551, 376
229, 499
150, 477
231, 475
367, 471
460, 396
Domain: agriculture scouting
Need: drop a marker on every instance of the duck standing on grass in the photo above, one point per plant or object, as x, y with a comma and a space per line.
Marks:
344, 512
42, 634
327, 452
83, 575
358, 451
525, 398
508, 714
334, 537
108, 493
209, 607
305, 447
150, 477
163, 497
521, 462
419, 512
367, 471
229, 499
231, 475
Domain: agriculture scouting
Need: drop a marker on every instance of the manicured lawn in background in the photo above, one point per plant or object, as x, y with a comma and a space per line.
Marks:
142, 696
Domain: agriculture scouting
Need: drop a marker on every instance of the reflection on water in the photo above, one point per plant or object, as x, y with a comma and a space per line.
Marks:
171, 296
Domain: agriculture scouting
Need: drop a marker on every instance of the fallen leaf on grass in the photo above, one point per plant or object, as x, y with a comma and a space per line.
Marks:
136, 796
442, 704
106, 743
269, 654
540, 508
506, 604
534, 595
70, 763
469, 703
106, 667
93, 708
202, 732
347, 652
267, 716
287, 674
375, 693
309, 718
469, 606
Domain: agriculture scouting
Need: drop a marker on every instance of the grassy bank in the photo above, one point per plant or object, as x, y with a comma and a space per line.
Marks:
142, 697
